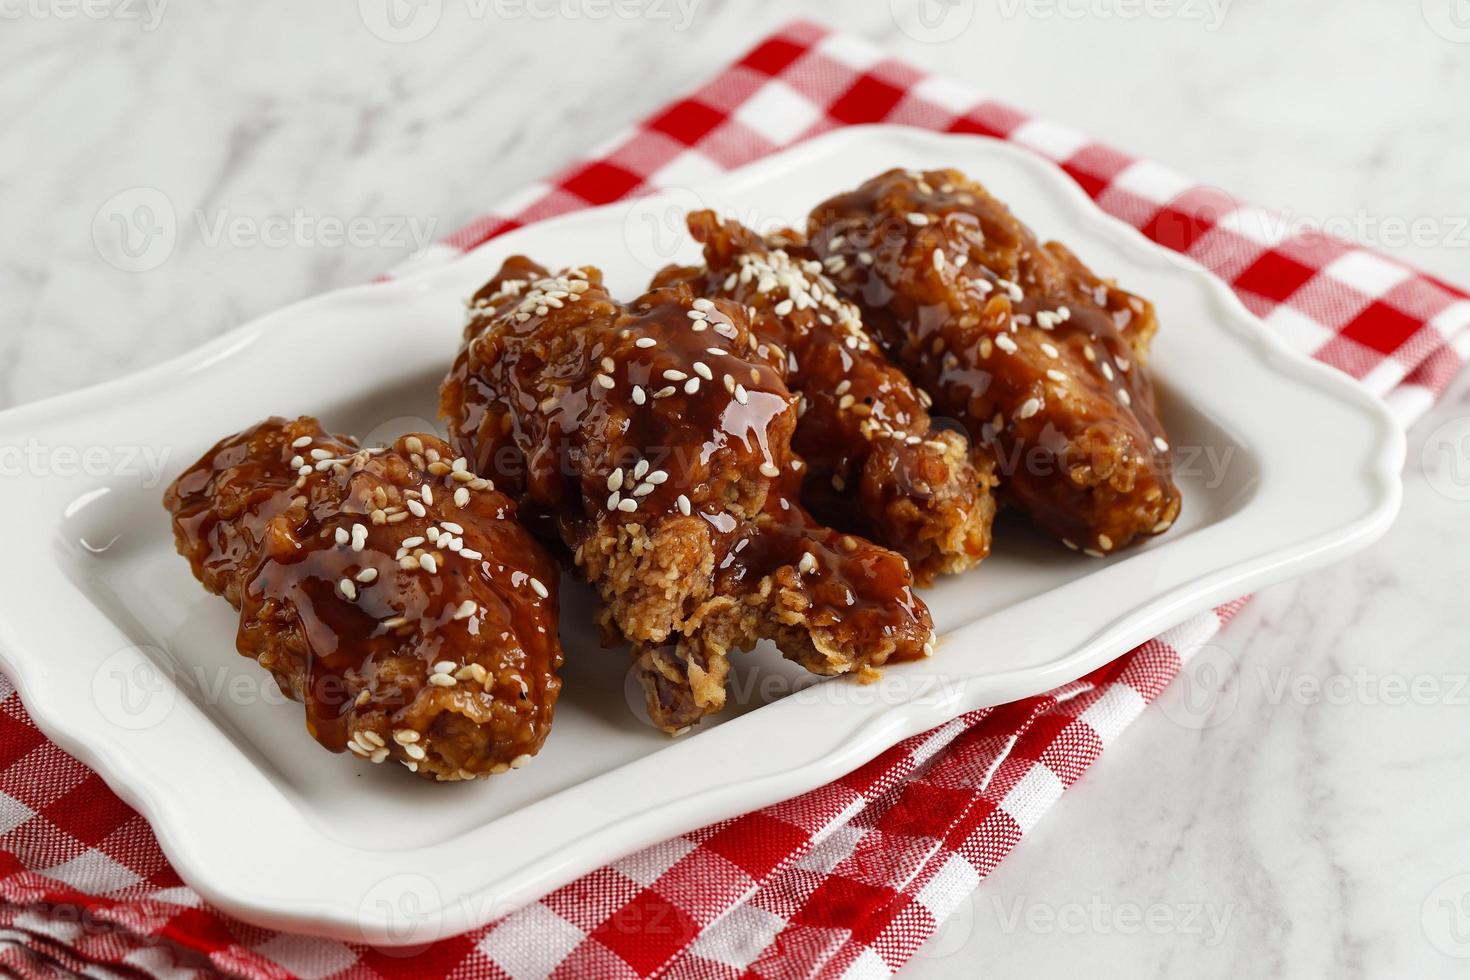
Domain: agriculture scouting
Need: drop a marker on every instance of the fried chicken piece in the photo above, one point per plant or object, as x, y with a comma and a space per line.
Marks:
388, 589
875, 462
654, 441
1041, 360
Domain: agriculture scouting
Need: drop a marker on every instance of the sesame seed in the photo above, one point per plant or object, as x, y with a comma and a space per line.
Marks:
673, 375
342, 536
640, 468
697, 315
461, 496
416, 509
808, 563
1093, 553
664, 392
691, 386
538, 588
741, 395
643, 489
614, 499
359, 537
414, 752
1104, 542
1049, 350
1005, 343
405, 736
413, 444
1161, 444
320, 454
301, 443
470, 553
1055, 375
784, 307
348, 589
408, 563
702, 369
627, 505
367, 576
1124, 397
466, 609
918, 220
1161, 527
442, 680
703, 304
1028, 408
444, 667
645, 342
1106, 369
638, 397
413, 542
451, 527
429, 564
605, 381
769, 469
684, 507
657, 477
615, 479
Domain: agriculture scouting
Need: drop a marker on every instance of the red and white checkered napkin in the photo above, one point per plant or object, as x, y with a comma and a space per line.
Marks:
847, 880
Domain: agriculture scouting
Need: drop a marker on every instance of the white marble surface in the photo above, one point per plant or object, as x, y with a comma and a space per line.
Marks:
1288, 836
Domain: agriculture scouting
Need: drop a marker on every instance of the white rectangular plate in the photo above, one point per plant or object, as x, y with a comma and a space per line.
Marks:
124, 660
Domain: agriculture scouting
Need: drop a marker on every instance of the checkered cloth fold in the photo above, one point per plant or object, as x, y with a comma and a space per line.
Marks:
847, 880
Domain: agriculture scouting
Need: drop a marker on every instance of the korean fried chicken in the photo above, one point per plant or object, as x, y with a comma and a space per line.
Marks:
1038, 357
388, 589
653, 440
875, 463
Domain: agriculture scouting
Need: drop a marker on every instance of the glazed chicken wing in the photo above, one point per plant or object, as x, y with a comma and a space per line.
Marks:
388, 589
1041, 360
875, 462
654, 441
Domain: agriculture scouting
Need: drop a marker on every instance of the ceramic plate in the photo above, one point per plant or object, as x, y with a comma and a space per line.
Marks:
126, 662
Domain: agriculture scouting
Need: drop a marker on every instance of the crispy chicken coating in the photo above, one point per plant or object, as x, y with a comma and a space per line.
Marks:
1041, 360
653, 440
875, 462
388, 589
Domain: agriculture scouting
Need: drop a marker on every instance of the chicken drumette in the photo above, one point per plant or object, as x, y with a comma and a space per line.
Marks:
654, 441
875, 462
1041, 360
388, 589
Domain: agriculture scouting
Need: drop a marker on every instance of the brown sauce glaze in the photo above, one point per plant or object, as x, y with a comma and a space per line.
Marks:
875, 463
1037, 357
390, 590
